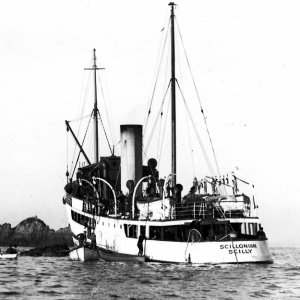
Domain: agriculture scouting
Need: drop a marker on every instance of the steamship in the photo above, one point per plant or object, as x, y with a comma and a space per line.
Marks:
133, 210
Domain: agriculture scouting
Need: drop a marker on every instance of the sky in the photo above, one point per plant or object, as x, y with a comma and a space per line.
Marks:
245, 59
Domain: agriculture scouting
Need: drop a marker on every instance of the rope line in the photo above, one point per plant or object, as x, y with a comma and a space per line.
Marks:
100, 118
81, 146
79, 119
156, 79
197, 134
106, 110
164, 131
159, 132
190, 143
152, 131
82, 110
198, 97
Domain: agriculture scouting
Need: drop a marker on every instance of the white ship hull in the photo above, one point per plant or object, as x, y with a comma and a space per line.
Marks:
110, 235
203, 252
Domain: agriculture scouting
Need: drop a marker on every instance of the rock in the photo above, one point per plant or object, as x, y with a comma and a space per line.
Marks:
49, 251
5, 231
34, 232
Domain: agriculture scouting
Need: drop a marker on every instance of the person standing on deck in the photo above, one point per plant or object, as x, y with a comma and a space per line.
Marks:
200, 186
213, 186
235, 186
93, 240
140, 244
205, 186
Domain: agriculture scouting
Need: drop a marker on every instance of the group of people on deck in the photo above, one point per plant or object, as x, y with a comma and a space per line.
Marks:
201, 186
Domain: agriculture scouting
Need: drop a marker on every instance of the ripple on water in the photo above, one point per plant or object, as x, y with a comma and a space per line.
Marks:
114, 296
10, 293
56, 286
52, 278
273, 286
53, 293
170, 295
146, 281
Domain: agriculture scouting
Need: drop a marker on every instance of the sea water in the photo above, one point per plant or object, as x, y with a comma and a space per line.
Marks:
59, 278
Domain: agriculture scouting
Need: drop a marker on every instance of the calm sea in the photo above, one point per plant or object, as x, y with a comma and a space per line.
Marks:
59, 278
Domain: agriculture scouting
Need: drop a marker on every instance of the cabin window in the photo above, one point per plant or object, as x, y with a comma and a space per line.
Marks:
254, 228
130, 230
120, 226
155, 233
83, 220
170, 233
237, 228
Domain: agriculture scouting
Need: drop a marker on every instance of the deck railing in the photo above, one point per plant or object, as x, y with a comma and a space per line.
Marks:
203, 210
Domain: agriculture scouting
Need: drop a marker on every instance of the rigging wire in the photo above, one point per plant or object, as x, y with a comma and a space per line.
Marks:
106, 111
82, 110
167, 66
198, 97
196, 132
161, 111
81, 145
164, 131
152, 131
159, 132
105, 132
190, 143
186, 116
156, 79
79, 119
110, 108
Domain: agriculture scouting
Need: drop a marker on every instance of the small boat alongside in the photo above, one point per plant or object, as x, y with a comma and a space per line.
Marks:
83, 253
112, 256
8, 255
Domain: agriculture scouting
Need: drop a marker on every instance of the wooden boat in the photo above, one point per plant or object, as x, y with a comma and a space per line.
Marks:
8, 255
112, 256
84, 253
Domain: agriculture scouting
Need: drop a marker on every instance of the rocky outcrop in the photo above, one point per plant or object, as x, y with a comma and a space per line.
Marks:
33, 232
51, 251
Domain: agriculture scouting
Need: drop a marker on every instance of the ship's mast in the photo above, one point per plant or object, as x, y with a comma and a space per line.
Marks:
95, 110
173, 97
